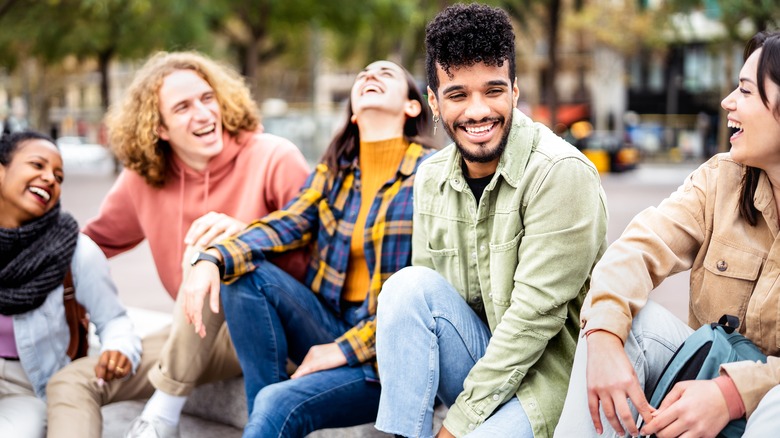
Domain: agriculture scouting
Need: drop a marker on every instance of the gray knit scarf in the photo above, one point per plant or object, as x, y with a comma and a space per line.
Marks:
34, 259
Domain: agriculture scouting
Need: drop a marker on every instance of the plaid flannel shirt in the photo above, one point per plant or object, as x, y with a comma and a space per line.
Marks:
324, 213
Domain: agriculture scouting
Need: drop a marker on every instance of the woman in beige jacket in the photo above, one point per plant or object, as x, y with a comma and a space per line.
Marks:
722, 224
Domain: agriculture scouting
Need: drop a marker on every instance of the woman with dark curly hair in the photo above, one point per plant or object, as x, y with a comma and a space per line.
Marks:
198, 169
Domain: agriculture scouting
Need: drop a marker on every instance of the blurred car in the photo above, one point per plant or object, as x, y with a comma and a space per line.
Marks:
79, 155
609, 152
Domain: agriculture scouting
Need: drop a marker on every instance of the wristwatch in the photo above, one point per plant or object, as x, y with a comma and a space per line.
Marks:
198, 256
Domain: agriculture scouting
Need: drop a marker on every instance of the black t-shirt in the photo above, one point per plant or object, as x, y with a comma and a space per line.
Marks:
477, 185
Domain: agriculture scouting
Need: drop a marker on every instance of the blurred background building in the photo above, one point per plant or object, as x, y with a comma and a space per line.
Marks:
644, 75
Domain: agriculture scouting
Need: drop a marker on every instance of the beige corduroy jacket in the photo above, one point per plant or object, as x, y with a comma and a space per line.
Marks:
735, 267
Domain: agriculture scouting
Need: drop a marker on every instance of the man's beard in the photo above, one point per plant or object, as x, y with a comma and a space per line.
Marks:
482, 155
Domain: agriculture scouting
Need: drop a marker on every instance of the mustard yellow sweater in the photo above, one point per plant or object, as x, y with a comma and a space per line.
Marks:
379, 160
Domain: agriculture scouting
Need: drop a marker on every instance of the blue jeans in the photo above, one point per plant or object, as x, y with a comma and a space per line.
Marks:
655, 335
428, 339
271, 317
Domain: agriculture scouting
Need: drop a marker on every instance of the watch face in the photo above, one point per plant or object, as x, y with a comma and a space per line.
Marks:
194, 258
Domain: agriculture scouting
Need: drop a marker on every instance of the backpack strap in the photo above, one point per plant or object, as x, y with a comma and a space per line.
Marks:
729, 323
74, 314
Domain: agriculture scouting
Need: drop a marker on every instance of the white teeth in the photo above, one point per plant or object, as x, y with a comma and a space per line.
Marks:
42, 193
735, 125
478, 129
205, 130
369, 88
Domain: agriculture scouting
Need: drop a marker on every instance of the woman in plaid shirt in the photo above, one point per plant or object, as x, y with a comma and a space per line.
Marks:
325, 324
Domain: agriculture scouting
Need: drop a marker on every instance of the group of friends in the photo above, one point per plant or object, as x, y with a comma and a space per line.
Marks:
392, 277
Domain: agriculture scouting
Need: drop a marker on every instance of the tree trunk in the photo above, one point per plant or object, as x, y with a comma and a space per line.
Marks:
104, 59
554, 10
250, 63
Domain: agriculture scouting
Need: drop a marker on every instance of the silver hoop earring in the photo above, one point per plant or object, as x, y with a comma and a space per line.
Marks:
435, 123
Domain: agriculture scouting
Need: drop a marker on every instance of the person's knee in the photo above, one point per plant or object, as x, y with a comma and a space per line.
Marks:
272, 410
404, 288
74, 378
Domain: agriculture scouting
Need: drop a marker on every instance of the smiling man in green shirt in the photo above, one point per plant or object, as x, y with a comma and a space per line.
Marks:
508, 223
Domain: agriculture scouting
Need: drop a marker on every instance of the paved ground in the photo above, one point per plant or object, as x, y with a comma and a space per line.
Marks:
140, 289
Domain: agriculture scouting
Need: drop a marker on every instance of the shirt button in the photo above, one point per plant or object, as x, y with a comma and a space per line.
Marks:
722, 265
490, 295
495, 397
474, 255
482, 248
532, 405
471, 426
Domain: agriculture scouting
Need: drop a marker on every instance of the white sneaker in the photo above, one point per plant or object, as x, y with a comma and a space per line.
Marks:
154, 428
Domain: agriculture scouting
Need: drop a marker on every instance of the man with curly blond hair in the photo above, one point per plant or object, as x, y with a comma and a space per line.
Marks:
198, 168
508, 223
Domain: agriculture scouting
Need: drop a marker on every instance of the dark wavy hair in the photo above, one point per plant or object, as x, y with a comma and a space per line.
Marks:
768, 68
346, 143
9, 143
464, 35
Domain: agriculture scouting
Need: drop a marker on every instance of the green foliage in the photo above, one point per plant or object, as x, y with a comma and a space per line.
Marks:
54, 29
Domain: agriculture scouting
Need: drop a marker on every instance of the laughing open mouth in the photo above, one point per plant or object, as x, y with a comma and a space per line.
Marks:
206, 130
735, 126
42, 194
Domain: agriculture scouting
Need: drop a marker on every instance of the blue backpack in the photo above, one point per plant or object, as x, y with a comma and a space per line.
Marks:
700, 357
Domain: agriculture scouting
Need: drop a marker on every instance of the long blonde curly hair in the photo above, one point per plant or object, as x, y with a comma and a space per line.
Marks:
133, 123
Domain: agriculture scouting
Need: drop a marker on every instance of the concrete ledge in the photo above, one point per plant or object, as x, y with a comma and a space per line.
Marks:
214, 409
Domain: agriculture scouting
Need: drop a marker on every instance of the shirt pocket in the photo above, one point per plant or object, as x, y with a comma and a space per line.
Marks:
729, 279
447, 263
503, 264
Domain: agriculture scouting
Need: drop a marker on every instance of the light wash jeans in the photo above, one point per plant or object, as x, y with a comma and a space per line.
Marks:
654, 337
271, 316
428, 339
765, 420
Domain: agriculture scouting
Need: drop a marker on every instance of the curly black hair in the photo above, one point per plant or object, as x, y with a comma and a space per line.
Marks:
463, 35
9, 143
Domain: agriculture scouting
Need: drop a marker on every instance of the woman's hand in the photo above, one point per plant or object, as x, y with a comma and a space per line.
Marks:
112, 365
320, 357
694, 408
211, 228
202, 280
611, 382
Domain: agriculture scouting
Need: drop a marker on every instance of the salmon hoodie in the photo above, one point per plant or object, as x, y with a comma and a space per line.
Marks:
255, 174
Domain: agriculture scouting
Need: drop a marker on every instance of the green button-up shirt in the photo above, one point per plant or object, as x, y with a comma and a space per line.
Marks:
524, 254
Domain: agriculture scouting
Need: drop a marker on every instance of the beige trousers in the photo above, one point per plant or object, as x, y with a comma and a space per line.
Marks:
22, 414
174, 360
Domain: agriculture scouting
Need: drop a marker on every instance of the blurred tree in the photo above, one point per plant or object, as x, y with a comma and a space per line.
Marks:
355, 31
51, 30
548, 13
